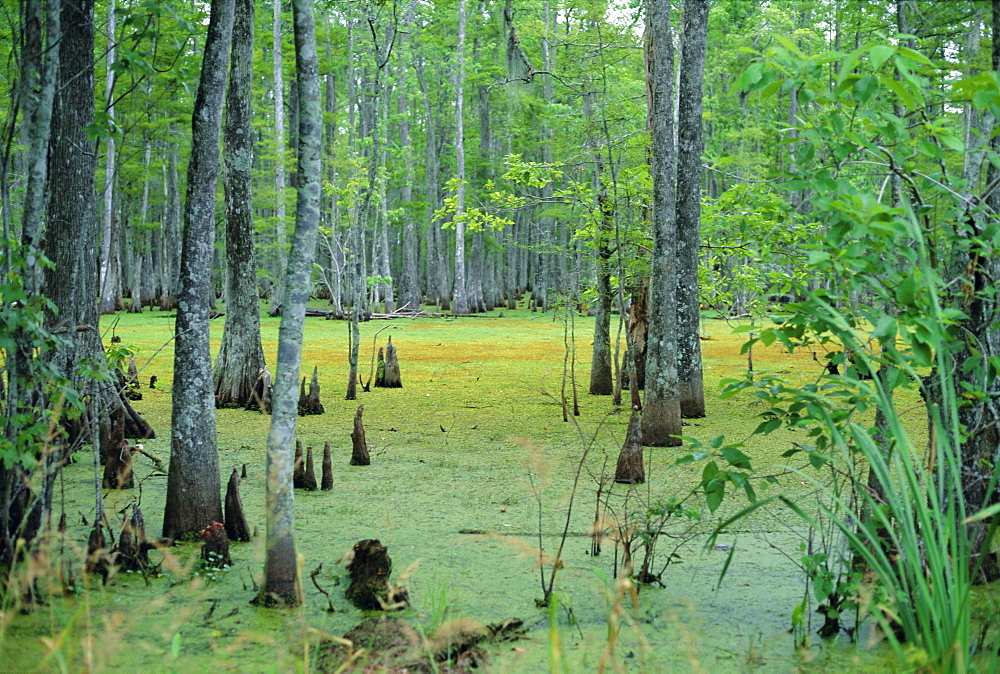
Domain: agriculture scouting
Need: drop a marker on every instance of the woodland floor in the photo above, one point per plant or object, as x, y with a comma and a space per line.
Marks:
462, 447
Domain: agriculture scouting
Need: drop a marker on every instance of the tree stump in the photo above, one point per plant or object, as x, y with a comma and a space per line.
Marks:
380, 369
98, 559
369, 570
359, 457
132, 380
133, 548
215, 545
299, 467
630, 468
309, 402
112, 434
260, 398
309, 481
327, 468
391, 378
236, 525
118, 468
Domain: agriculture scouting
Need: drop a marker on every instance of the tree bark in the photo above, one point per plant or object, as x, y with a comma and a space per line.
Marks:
282, 585
277, 288
241, 355
661, 413
461, 302
193, 482
689, 149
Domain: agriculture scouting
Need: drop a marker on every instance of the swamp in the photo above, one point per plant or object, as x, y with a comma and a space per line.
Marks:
472, 469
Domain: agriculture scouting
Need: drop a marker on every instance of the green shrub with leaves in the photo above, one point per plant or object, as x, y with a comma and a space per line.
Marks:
904, 244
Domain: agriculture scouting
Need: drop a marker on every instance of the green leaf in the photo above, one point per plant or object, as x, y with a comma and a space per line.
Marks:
880, 54
736, 458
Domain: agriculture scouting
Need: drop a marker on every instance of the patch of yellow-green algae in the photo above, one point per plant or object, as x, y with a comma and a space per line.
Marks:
456, 450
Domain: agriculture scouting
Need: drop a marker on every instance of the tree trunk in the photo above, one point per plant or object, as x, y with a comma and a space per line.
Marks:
461, 302
661, 413
39, 74
277, 287
193, 482
241, 355
282, 585
689, 149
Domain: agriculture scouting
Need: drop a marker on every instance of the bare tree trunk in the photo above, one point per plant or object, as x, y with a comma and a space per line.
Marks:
277, 289
282, 585
109, 237
661, 413
241, 355
193, 482
689, 149
461, 304
40, 70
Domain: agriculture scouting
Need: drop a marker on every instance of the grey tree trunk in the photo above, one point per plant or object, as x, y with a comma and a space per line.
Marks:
461, 304
282, 584
109, 236
277, 288
661, 413
193, 481
39, 73
601, 375
689, 148
71, 224
241, 355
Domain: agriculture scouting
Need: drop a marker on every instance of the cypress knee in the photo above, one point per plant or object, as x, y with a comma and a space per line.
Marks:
359, 457
236, 521
630, 468
327, 468
309, 482
299, 468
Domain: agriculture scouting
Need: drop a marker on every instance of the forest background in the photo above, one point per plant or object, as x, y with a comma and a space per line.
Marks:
472, 153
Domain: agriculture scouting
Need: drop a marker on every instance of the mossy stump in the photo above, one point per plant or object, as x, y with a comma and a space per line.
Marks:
369, 570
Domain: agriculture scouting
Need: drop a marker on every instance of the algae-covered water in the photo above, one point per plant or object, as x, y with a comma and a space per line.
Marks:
470, 460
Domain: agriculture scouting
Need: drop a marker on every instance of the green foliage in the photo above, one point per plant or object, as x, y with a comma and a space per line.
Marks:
886, 303
754, 250
29, 422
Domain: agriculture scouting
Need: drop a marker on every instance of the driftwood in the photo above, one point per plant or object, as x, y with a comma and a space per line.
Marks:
402, 312
215, 545
309, 481
359, 455
236, 521
299, 467
630, 468
327, 468
309, 402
